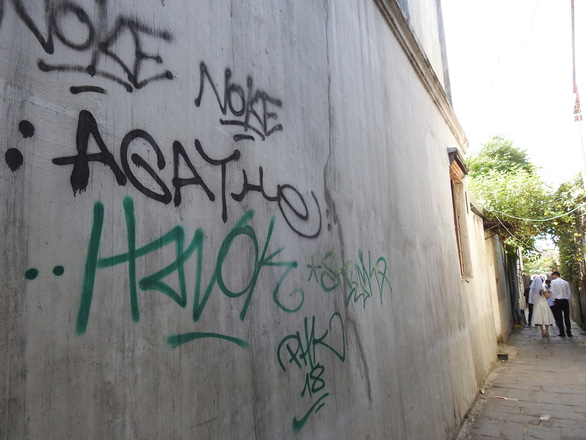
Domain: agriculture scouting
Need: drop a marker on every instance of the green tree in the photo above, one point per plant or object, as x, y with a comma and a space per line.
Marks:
567, 229
511, 192
542, 265
498, 154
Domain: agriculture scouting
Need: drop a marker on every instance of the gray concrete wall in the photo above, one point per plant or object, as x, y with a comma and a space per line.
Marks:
229, 220
578, 304
500, 290
423, 19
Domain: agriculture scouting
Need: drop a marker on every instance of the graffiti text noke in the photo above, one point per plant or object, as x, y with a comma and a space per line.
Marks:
252, 106
99, 40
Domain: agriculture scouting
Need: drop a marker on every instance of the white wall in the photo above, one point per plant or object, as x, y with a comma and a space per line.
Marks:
326, 302
423, 18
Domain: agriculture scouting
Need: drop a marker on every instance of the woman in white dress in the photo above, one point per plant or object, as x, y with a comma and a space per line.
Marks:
534, 293
542, 315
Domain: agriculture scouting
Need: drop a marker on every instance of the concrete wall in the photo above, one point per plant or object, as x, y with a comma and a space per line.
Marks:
578, 304
230, 220
423, 19
500, 288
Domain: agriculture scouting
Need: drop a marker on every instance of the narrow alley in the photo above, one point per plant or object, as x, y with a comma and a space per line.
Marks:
263, 220
539, 392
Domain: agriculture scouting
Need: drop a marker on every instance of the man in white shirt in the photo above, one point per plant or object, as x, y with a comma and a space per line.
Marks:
561, 296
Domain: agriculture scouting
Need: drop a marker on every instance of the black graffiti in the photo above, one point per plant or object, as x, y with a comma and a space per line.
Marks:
81, 89
98, 39
282, 200
222, 162
292, 205
14, 159
86, 127
26, 129
252, 107
133, 135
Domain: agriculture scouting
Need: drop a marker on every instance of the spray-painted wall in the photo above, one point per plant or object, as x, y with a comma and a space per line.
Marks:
229, 220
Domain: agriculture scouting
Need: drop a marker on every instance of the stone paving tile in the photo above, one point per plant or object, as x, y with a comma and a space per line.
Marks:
512, 417
564, 390
504, 405
574, 399
524, 395
487, 427
544, 381
561, 423
517, 386
482, 437
550, 366
557, 412
581, 424
573, 432
512, 431
541, 433
548, 398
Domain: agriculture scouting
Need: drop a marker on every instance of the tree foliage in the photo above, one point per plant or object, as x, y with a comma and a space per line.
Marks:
498, 154
567, 231
542, 265
512, 192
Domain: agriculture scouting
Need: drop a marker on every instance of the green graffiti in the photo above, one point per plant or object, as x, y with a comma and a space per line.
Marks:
359, 277
154, 282
177, 340
242, 229
314, 381
330, 277
90, 269
299, 424
31, 273
301, 351
131, 230
58, 270
305, 355
365, 277
313, 270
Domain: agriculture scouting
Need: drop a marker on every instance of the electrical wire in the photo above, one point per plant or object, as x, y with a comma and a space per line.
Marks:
527, 245
523, 50
535, 219
530, 28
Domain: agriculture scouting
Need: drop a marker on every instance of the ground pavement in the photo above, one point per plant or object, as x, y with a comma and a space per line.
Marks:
538, 393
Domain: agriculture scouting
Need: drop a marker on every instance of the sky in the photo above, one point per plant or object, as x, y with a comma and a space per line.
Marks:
510, 67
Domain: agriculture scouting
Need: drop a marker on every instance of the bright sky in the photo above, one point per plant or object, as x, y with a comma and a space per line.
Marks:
510, 64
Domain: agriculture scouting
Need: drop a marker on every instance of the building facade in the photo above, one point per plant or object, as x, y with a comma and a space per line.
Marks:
237, 220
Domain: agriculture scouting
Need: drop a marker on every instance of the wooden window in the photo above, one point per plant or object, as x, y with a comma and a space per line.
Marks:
458, 171
458, 231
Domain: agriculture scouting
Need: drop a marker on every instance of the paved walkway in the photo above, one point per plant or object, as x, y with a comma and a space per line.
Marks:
538, 393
